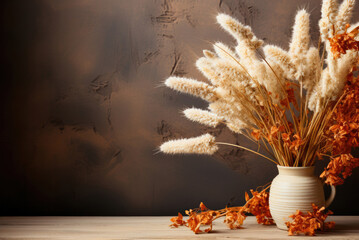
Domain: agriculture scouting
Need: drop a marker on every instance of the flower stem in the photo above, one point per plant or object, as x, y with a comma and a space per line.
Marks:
250, 150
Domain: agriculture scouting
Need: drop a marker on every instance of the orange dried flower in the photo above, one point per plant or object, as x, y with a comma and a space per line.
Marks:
202, 206
234, 219
259, 207
286, 138
196, 220
290, 98
201, 216
274, 131
339, 169
340, 43
309, 223
256, 134
234, 216
343, 134
178, 221
294, 144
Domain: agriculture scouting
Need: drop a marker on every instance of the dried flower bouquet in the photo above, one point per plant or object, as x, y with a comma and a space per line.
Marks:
299, 105
282, 100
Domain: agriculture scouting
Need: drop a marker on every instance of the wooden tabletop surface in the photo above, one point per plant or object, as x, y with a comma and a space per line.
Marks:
347, 227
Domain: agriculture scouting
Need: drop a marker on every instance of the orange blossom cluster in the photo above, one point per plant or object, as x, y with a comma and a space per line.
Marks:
234, 216
309, 223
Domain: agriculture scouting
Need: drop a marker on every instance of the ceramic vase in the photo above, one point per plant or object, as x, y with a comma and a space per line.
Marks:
295, 188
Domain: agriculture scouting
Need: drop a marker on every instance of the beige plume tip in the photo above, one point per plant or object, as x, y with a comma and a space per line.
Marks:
202, 116
209, 54
222, 18
204, 144
242, 33
232, 25
193, 87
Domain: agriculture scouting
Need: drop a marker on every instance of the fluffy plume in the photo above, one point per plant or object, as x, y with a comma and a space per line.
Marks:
233, 115
205, 65
314, 99
228, 75
247, 45
255, 68
230, 78
204, 144
323, 90
280, 58
344, 15
345, 63
326, 23
324, 82
280, 68
330, 60
236, 127
273, 83
300, 42
300, 37
224, 52
231, 75
204, 117
243, 34
196, 88
333, 77
313, 69
228, 72
246, 50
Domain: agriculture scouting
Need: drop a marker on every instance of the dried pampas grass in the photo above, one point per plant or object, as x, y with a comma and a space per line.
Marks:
193, 87
204, 144
268, 98
202, 116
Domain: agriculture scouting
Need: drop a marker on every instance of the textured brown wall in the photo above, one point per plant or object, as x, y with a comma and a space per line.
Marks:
83, 109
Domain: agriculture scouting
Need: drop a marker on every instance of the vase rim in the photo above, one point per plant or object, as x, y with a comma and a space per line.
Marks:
290, 167
296, 171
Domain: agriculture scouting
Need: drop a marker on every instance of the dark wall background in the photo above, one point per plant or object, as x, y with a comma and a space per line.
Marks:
83, 109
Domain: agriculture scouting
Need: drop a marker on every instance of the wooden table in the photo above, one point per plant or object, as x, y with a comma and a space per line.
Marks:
89, 228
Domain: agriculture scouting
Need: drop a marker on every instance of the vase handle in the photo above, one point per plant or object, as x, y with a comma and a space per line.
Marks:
331, 197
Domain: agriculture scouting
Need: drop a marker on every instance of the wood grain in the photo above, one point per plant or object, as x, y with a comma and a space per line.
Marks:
89, 228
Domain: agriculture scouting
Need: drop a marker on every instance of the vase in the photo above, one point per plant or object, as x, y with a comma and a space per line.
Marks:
295, 188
